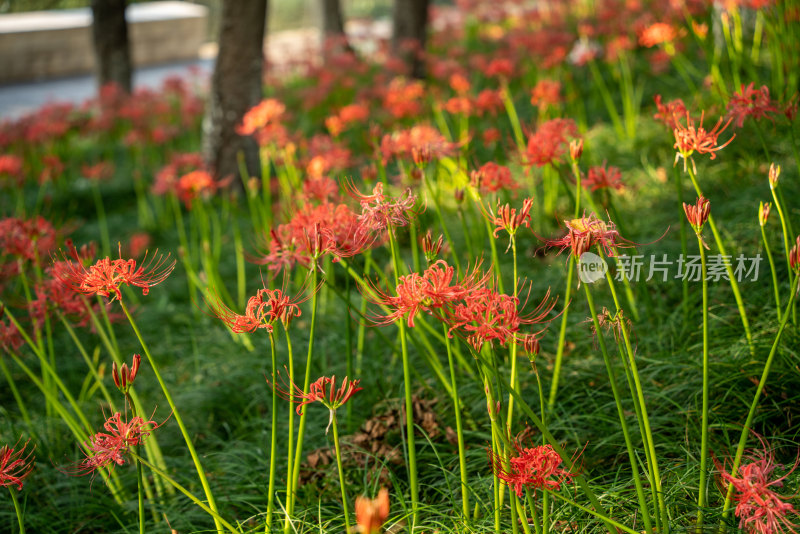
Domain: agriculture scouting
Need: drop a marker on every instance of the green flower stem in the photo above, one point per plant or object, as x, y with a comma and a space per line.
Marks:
273, 445
795, 287
290, 437
17, 509
513, 118
701, 498
607, 100
621, 413
787, 245
647, 435
218, 519
728, 269
412, 452
529, 495
340, 469
101, 219
513, 349
178, 419
545, 497
88, 361
684, 243
139, 491
12, 385
435, 196
521, 513
241, 281
604, 517
462, 460
772, 270
291, 496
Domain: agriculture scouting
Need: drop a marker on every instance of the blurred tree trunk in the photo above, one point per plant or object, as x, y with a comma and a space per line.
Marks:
111, 47
334, 38
235, 87
409, 35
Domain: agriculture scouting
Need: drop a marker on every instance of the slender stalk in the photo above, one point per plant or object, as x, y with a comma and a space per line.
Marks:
17, 509
701, 497
273, 445
341, 471
12, 385
290, 498
178, 419
218, 519
728, 269
101, 219
598, 515
290, 437
621, 413
787, 245
462, 460
795, 287
412, 451
513, 349
772, 270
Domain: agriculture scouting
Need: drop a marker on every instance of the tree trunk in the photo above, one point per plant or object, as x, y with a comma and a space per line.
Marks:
410, 33
235, 87
111, 47
334, 38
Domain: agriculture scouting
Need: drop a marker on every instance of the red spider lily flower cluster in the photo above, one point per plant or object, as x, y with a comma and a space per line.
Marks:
536, 467
697, 214
585, 232
759, 508
11, 170
657, 34
690, 139
28, 239
99, 172
322, 390
197, 184
106, 276
124, 376
262, 310
371, 514
380, 211
403, 98
750, 102
420, 139
180, 164
546, 93
491, 178
430, 247
670, 112
548, 144
348, 115
602, 177
10, 338
264, 122
108, 448
508, 219
470, 306
15, 465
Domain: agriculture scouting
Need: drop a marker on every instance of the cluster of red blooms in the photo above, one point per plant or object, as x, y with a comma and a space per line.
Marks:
491, 178
693, 138
403, 98
262, 310
537, 467
670, 112
347, 116
326, 155
471, 306
264, 122
11, 170
25, 239
107, 449
187, 177
322, 390
759, 508
15, 465
602, 177
750, 102
417, 140
585, 232
548, 144
106, 276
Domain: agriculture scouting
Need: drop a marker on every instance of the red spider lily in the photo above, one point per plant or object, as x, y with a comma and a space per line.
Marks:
265, 113
197, 184
698, 214
536, 467
549, 143
508, 219
27, 239
124, 376
371, 514
656, 34
759, 508
489, 102
486, 316
422, 138
15, 464
379, 212
794, 256
491, 178
774, 174
602, 177
750, 102
10, 338
99, 172
180, 164
431, 248
546, 93
107, 449
585, 232
324, 391
763, 212
402, 98
575, 150
263, 309
691, 139
668, 113
11, 170
432, 292
106, 276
